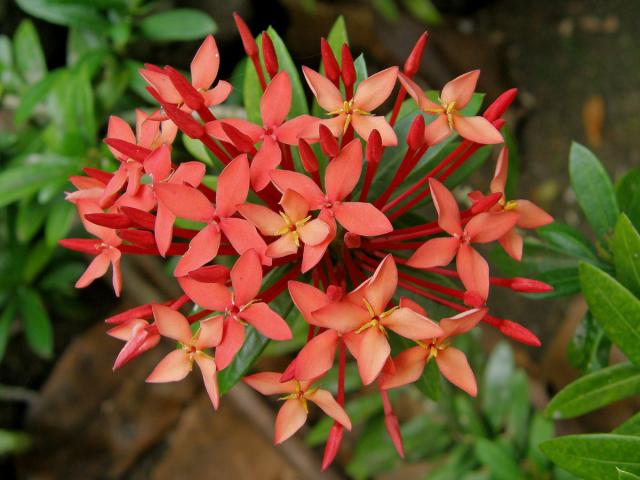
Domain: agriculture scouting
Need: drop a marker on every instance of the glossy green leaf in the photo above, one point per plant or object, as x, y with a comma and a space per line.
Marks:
59, 222
497, 460
429, 382
254, 344
567, 238
6, 321
593, 189
197, 149
28, 53
589, 348
32, 97
624, 475
628, 195
595, 456
565, 281
36, 323
630, 427
594, 391
626, 254
615, 308
177, 25
64, 13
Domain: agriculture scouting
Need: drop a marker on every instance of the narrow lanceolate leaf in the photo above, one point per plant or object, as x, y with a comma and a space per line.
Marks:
589, 348
628, 195
178, 24
615, 307
28, 53
595, 456
65, 13
626, 254
593, 189
594, 391
59, 222
36, 323
429, 381
498, 460
33, 96
568, 239
630, 427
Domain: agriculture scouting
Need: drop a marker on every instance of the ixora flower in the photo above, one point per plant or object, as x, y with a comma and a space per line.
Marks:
292, 233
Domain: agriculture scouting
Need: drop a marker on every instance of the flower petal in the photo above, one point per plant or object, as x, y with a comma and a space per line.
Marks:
243, 236
409, 365
266, 321
437, 130
326, 93
232, 341
531, 216
417, 93
307, 299
246, 277
343, 172
97, 268
314, 232
382, 285
268, 383
328, 404
289, 132
410, 324
268, 222
265, 161
499, 180
210, 332
445, 203
317, 356
212, 296
163, 85
373, 352
294, 205
473, 270
374, 90
362, 218
313, 253
290, 419
477, 129
340, 316
217, 94
276, 100
436, 252
283, 246
512, 243
172, 368
233, 186
185, 201
462, 322
119, 129
253, 131
460, 89
205, 64
202, 249
189, 172
487, 227
172, 324
365, 124
287, 180
454, 367
208, 369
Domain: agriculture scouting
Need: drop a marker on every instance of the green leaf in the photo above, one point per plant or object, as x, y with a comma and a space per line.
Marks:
177, 25
59, 222
628, 195
423, 10
617, 309
31, 216
254, 344
565, 281
467, 416
197, 149
541, 429
630, 427
624, 475
595, 456
337, 37
36, 323
6, 320
32, 97
429, 381
28, 53
495, 391
568, 239
626, 254
38, 256
62, 13
498, 460
12, 442
594, 391
589, 348
519, 410
593, 189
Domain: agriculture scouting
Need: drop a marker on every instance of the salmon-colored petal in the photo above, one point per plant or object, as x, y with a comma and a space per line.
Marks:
209, 371
410, 324
158, 164
120, 130
473, 270
409, 365
268, 222
313, 253
406, 302
477, 129
243, 236
246, 277
146, 130
436, 252
287, 180
232, 341
172, 368
512, 243
362, 218
334, 124
340, 316
454, 367
212, 296
217, 94
233, 186
531, 216
417, 93
499, 180
116, 274
382, 285
205, 64
268, 383
96, 269
283, 246
162, 84
276, 100
172, 324
202, 249
168, 131
266, 160
343, 172
210, 332
116, 182
326, 93
365, 124
289, 132
294, 205
462, 322
373, 91
291, 417
216, 130
314, 232
460, 89
436, 131
328, 404
372, 354
185, 201
488, 226
266, 321
190, 173
307, 299
445, 203
317, 356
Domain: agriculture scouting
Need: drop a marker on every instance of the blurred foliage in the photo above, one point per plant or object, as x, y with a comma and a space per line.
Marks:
56, 121
423, 11
607, 272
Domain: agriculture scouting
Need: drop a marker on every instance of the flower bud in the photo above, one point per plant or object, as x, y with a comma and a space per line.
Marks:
373, 151
518, 333
191, 97
412, 64
352, 240
239, 140
485, 203
348, 72
529, 285
393, 430
210, 274
130, 150
328, 143
329, 62
185, 122
248, 42
269, 55
109, 220
473, 299
333, 445
500, 105
307, 157
415, 137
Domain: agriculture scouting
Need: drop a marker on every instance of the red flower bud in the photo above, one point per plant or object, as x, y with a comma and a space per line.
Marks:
269, 55
141, 311
412, 65
519, 333
373, 151
139, 218
239, 140
84, 245
500, 105
109, 220
473, 299
348, 72
131, 150
328, 142
331, 67
210, 274
529, 285
333, 445
486, 202
248, 42
99, 175
415, 137
142, 238
393, 430
184, 121
191, 97
307, 157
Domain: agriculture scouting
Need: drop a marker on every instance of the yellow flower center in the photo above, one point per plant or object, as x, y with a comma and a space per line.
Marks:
300, 395
448, 109
348, 110
292, 227
374, 321
510, 205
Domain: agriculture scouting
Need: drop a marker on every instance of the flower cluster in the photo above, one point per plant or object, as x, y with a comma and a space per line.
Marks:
291, 204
